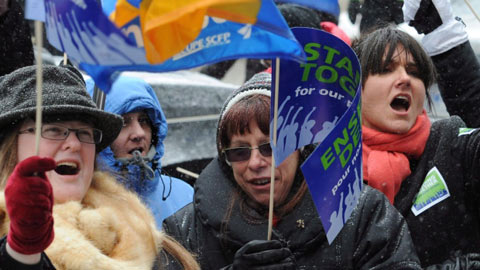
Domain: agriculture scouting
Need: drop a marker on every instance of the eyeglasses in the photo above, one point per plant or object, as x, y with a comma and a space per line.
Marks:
243, 153
59, 133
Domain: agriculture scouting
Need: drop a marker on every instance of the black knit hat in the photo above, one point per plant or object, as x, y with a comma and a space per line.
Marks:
64, 95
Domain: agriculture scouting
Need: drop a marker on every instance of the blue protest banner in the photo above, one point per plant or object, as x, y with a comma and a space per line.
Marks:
315, 94
334, 171
98, 47
319, 103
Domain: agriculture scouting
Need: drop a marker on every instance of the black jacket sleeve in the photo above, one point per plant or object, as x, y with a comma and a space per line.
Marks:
376, 247
16, 48
8, 263
459, 82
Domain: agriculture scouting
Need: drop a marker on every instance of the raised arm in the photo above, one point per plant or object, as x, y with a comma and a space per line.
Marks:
446, 41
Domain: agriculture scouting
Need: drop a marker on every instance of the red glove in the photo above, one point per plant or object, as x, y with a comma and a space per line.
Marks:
29, 200
336, 31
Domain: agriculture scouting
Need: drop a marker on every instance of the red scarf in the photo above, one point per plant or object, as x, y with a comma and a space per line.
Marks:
385, 155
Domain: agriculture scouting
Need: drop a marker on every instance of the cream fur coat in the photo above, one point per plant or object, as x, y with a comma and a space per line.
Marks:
109, 230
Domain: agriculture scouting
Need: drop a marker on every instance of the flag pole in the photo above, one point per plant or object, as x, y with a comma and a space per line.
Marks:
272, 173
473, 11
39, 82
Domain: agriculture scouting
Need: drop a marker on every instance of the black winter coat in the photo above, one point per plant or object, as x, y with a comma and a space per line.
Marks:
454, 223
16, 49
8, 263
375, 237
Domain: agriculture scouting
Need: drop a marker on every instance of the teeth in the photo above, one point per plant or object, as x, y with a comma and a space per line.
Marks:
70, 164
403, 97
261, 181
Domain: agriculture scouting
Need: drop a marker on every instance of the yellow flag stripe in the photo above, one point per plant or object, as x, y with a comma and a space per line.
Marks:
124, 12
163, 12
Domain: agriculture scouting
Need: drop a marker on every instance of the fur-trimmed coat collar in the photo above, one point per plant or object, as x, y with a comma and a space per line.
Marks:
109, 230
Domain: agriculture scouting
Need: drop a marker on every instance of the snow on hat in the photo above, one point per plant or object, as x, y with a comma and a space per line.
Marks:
64, 95
260, 83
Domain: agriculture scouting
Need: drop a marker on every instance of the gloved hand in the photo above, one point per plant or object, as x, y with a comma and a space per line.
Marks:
354, 8
458, 261
435, 19
29, 200
263, 255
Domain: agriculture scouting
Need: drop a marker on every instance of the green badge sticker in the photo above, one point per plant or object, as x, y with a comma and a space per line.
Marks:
465, 131
433, 190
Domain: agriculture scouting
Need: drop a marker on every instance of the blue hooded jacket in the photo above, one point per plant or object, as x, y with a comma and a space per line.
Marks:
163, 194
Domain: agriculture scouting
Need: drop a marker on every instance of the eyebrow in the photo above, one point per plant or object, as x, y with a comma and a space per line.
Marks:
240, 143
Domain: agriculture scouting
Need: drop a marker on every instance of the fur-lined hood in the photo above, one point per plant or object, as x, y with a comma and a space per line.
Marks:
109, 230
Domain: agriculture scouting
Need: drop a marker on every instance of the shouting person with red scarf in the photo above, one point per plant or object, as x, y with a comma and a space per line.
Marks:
428, 171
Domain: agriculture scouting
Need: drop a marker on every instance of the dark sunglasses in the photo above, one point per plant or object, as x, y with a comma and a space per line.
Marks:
243, 153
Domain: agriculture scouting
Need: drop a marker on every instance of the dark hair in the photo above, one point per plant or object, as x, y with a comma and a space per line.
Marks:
376, 49
237, 119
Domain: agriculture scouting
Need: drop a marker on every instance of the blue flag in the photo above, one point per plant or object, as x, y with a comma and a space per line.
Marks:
98, 47
319, 103
329, 6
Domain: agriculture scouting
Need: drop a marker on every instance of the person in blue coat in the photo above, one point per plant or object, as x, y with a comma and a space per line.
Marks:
135, 154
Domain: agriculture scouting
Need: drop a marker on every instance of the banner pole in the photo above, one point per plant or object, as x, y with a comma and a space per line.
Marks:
272, 173
473, 11
39, 82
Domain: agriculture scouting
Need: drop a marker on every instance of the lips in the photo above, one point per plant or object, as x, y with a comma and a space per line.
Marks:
67, 168
260, 181
401, 103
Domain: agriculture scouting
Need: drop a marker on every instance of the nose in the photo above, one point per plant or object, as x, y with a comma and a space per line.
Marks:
257, 161
136, 131
72, 142
403, 79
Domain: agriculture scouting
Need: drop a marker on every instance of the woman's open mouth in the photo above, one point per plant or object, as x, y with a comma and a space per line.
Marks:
261, 182
400, 103
139, 149
67, 168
